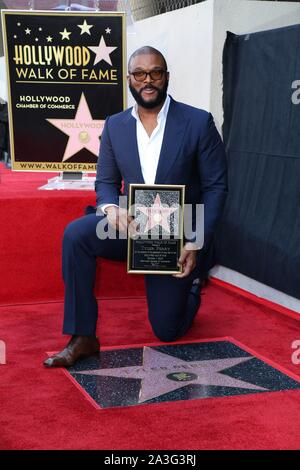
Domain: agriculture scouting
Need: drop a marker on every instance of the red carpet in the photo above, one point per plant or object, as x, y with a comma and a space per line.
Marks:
42, 409
32, 225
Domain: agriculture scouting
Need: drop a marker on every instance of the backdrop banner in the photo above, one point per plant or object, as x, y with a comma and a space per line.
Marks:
66, 74
260, 231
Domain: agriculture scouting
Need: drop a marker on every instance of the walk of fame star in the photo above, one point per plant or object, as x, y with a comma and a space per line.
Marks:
161, 373
166, 373
157, 215
83, 130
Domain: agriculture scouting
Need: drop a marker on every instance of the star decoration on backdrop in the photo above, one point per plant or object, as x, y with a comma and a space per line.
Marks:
49, 39
157, 214
27, 31
40, 29
15, 36
36, 39
85, 28
108, 30
18, 24
162, 373
65, 34
83, 130
102, 52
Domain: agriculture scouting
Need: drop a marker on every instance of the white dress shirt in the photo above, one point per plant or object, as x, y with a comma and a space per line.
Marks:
149, 147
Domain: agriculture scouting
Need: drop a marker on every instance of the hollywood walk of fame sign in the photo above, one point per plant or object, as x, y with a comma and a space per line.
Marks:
66, 74
157, 211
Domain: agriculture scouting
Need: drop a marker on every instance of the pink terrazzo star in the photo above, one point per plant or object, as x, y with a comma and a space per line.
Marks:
162, 373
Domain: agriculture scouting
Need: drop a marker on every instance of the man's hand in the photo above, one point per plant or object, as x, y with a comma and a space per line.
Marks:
118, 218
187, 260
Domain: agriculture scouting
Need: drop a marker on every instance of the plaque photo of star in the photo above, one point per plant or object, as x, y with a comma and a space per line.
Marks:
158, 214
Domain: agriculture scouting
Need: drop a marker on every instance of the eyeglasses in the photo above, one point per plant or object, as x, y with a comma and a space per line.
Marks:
141, 75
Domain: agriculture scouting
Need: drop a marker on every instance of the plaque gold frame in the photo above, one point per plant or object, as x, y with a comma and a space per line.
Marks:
162, 187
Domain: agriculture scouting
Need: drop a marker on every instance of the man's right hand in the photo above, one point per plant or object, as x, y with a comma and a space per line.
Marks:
118, 218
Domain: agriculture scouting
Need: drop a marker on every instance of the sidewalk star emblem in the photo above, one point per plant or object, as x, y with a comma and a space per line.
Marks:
161, 373
177, 372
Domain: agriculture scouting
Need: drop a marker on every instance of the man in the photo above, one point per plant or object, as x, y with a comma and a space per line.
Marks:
157, 141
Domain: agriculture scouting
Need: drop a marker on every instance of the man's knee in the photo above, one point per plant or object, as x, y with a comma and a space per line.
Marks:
173, 326
76, 231
71, 233
165, 335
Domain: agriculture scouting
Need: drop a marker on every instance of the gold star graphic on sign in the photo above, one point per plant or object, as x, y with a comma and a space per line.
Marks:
27, 31
65, 34
85, 28
49, 39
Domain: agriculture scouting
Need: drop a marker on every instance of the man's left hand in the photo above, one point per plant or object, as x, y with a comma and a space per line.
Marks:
187, 260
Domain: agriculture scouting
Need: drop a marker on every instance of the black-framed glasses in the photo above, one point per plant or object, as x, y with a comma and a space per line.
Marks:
141, 75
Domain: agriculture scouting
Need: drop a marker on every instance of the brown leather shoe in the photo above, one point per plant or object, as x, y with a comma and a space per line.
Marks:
78, 347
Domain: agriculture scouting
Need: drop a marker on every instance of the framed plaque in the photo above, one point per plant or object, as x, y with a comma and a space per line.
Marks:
157, 211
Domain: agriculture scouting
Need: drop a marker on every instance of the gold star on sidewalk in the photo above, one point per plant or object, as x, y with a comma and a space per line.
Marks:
65, 34
85, 28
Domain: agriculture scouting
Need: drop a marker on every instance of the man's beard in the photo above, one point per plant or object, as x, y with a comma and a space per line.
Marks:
160, 98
